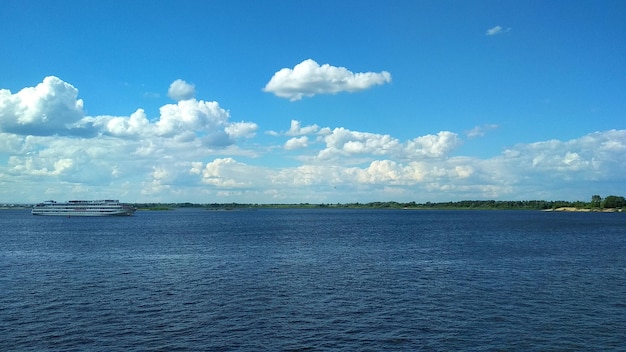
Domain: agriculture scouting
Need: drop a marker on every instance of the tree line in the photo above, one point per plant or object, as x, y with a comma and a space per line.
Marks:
596, 202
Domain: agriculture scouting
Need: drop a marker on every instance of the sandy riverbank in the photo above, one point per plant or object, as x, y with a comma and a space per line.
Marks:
607, 210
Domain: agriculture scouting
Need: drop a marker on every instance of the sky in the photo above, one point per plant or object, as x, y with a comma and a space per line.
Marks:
312, 101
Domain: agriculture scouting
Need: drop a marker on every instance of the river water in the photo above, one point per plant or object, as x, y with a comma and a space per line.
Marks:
319, 279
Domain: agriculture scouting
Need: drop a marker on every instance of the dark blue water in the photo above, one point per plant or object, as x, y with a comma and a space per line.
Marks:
193, 280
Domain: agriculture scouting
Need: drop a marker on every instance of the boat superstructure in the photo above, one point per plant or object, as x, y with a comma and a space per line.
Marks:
105, 207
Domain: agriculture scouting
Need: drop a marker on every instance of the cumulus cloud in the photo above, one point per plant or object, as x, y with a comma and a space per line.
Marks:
181, 90
45, 109
39, 167
241, 129
186, 121
308, 78
601, 154
431, 174
73, 160
496, 30
558, 164
52, 108
433, 145
296, 129
381, 171
297, 143
38, 137
135, 125
228, 173
343, 142
190, 115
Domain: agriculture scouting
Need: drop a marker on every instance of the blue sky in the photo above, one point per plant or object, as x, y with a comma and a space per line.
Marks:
319, 102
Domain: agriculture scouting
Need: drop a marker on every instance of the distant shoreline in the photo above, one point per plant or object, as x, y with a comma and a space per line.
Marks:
287, 206
536, 205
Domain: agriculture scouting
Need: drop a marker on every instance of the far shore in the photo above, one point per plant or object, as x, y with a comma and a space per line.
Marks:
464, 205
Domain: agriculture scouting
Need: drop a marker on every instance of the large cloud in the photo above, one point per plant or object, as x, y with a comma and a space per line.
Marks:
343, 142
308, 78
537, 170
191, 115
433, 145
45, 109
127, 153
598, 155
228, 173
52, 108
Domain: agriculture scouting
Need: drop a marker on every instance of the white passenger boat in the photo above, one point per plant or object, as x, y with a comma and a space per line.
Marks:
105, 207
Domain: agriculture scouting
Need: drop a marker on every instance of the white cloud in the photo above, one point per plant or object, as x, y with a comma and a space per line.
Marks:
297, 143
381, 171
228, 173
433, 145
123, 150
181, 90
10, 143
515, 173
241, 129
296, 129
136, 124
496, 30
308, 78
45, 109
38, 167
602, 155
344, 142
190, 115
479, 131
52, 108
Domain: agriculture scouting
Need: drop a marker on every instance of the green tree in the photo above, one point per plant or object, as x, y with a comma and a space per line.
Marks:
614, 202
596, 201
